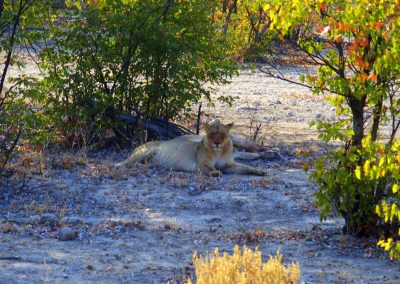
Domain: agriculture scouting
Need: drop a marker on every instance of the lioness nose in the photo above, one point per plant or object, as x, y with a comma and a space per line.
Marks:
217, 144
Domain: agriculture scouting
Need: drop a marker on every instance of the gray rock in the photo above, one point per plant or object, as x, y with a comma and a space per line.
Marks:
247, 108
214, 220
48, 218
277, 102
271, 155
72, 220
35, 219
66, 234
269, 119
319, 115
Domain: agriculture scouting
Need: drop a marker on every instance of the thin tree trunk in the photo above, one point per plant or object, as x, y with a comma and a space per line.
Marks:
357, 109
352, 218
376, 120
10, 48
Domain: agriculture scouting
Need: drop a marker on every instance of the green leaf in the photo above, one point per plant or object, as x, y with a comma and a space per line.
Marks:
367, 165
395, 188
357, 172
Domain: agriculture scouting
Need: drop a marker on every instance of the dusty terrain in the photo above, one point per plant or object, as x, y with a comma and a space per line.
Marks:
142, 225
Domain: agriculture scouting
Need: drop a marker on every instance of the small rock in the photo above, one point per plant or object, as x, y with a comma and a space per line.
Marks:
277, 102
318, 115
35, 219
72, 220
290, 114
66, 234
48, 218
271, 155
214, 220
269, 119
238, 203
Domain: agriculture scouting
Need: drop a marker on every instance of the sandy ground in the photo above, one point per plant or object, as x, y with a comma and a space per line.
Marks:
142, 225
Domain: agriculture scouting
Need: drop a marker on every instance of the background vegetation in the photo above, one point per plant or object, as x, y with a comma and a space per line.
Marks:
355, 47
154, 59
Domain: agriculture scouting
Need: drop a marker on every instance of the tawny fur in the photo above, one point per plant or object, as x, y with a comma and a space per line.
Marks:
209, 155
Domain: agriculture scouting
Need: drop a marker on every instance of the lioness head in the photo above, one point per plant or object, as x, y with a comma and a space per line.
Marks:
217, 134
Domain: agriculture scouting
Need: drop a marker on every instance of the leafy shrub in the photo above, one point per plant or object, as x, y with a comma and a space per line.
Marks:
15, 19
356, 54
148, 58
243, 267
244, 24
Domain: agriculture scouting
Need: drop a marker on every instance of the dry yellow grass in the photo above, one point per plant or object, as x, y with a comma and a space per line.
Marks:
243, 268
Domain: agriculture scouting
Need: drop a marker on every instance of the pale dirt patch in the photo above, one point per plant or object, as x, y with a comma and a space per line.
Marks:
142, 225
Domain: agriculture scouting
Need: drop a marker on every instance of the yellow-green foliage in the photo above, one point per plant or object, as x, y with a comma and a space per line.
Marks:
243, 267
243, 24
381, 164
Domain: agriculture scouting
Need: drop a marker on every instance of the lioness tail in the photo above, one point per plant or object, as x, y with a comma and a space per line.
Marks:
140, 154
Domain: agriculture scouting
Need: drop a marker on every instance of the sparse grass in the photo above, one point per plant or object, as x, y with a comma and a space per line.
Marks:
307, 150
31, 161
243, 267
256, 130
264, 182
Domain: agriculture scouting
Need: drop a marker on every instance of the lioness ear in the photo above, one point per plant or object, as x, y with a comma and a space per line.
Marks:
229, 126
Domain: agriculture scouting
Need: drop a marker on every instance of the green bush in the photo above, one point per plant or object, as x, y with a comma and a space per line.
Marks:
356, 55
149, 58
16, 17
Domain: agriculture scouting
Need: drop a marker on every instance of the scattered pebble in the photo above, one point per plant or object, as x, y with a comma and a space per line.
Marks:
48, 218
66, 234
72, 220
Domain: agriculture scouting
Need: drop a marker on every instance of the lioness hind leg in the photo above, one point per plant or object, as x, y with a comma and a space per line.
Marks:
246, 145
267, 155
241, 169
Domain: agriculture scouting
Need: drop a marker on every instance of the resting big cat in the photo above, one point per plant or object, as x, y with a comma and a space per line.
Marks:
212, 154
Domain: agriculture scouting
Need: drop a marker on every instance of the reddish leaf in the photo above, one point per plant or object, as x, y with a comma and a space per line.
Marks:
364, 77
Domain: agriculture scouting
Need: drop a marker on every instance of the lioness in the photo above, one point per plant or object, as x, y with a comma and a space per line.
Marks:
209, 155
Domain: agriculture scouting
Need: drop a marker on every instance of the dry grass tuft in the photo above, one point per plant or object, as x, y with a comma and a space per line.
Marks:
242, 268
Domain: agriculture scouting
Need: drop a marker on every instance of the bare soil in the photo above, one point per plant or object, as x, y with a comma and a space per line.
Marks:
142, 225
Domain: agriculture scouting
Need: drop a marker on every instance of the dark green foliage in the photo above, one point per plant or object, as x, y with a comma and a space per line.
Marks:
356, 55
149, 58
15, 16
